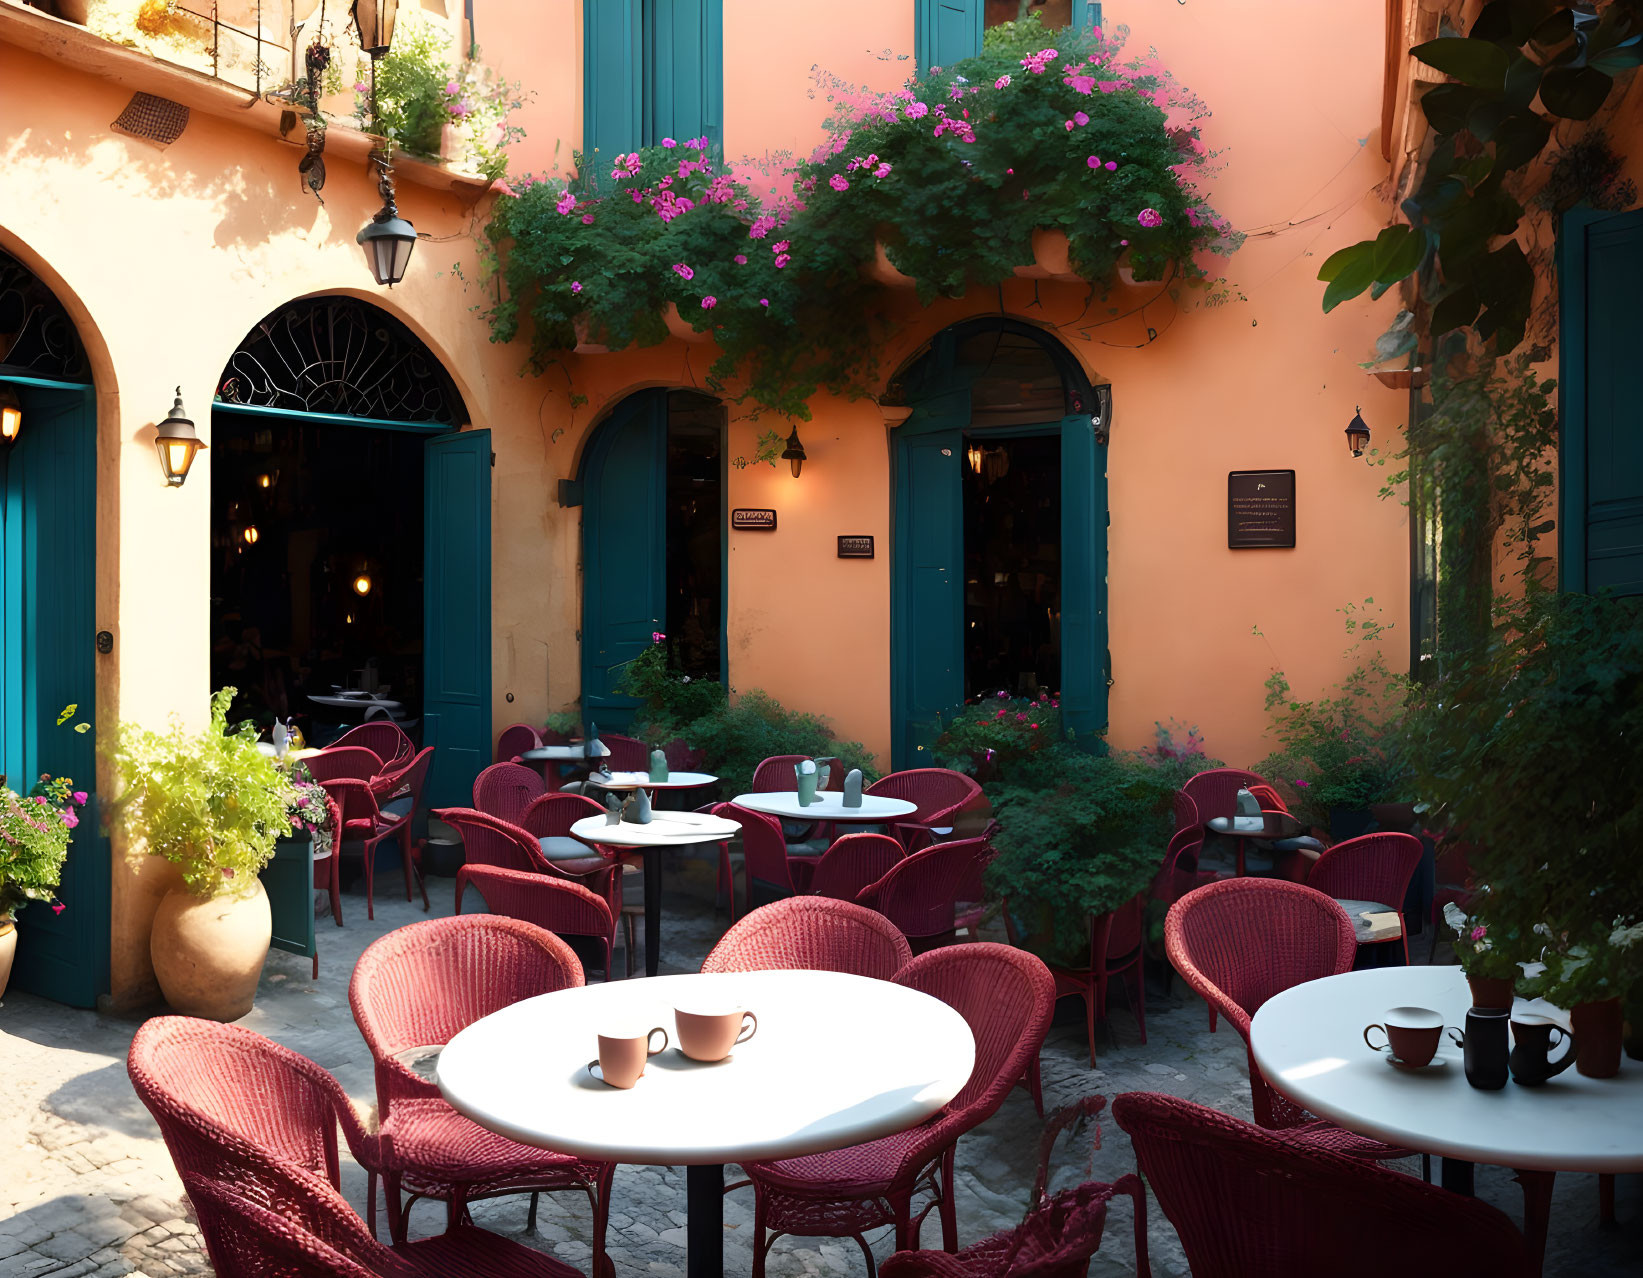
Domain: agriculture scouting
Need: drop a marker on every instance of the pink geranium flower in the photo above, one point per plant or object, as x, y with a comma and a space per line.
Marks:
1094, 161
576, 286
1149, 217
839, 182
683, 272
740, 259
709, 302
58, 908
1003, 82
565, 203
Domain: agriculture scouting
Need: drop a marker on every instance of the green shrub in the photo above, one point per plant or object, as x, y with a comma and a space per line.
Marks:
669, 700
996, 732
737, 736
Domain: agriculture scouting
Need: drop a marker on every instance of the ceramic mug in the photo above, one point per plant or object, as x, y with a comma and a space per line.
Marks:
709, 1036
1485, 1047
622, 1056
1412, 1034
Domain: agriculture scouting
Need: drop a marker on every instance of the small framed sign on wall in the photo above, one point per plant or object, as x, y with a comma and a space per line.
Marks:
1261, 510
753, 520
857, 547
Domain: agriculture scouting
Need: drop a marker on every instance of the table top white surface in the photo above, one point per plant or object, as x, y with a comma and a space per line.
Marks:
666, 829
577, 751
837, 1060
1309, 1044
363, 702
829, 806
1269, 823
642, 781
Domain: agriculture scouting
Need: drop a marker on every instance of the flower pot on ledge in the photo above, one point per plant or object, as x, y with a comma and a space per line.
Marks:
586, 339
881, 270
680, 327
1597, 1034
1491, 991
1052, 258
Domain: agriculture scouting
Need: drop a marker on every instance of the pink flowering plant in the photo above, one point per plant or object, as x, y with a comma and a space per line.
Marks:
35, 829
995, 732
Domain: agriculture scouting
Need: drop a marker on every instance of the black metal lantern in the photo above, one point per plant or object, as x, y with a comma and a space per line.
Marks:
794, 452
1357, 433
374, 20
177, 442
11, 417
387, 238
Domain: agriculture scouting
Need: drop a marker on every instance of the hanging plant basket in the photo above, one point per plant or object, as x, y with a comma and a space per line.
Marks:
587, 341
1052, 258
881, 270
679, 326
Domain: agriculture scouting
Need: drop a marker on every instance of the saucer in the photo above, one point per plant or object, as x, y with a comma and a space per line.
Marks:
1437, 1062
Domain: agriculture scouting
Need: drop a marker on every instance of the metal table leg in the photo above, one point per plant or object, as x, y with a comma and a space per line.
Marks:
1455, 1175
653, 910
705, 1229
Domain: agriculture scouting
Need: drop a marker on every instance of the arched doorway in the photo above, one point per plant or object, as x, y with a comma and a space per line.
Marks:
653, 542
999, 575
351, 536
48, 577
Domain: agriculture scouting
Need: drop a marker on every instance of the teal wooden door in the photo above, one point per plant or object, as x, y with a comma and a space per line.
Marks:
684, 67
1600, 276
947, 31
927, 579
624, 549
47, 652
456, 709
611, 78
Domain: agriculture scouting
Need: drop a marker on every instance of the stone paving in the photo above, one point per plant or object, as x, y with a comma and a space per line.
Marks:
87, 1188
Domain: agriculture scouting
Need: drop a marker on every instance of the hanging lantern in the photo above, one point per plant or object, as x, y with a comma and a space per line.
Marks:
1357, 433
251, 535
362, 584
387, 238
11, 417
177, 442
973, 455
794, 452
268, 478
374, 20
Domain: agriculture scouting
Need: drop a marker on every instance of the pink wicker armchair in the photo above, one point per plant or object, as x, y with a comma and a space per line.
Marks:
1058, 1235
812, 932
364, 822
1246, 1201
1240, 941
764, 856
919, 894
775, 774
853, 863
1007, 996
1215, 792
563, 907
353, 763
614, 873
506, 790
419, 986
383, 738
627, 754
1375, 867
514, 740
939, 793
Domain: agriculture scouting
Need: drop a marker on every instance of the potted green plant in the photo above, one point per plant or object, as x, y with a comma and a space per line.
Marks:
995, 733
1591, 974
34, 836
1489, 954
213, 805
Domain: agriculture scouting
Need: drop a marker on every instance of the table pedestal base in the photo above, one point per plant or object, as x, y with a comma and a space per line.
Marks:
653, 910
705, 1228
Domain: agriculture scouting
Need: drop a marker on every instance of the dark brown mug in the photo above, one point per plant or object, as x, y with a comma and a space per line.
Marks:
1412, 1035
709, 1036
622, 1057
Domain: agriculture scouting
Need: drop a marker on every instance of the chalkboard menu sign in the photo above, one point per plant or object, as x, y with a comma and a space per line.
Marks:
753, 520
1260, 509
857, 547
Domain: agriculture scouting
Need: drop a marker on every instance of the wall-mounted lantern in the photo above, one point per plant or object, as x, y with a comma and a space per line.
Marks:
362, 584
793, 454
251, 535
177, 442
268, 478
11, 417
1357, 433
387, 238
374, 20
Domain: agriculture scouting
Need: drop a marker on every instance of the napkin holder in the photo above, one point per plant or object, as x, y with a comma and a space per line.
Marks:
805, 777
1247, 805
636, 811
593, 748
824, 770
658, 764
852, 788
613, 809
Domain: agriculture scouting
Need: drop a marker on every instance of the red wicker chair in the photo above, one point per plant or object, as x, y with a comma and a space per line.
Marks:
561, 906
1215, 792
627, 754
815, 933
1240, 941
506, 790
1245, 1201
919, 894
1185, 811
352, 763
419, 986
365, 823
1007, 996
775, 774
939, 793
764, 855
854, 862
383, 738
514, 740
1375, 867
1058, 1235
326, 878
614, 873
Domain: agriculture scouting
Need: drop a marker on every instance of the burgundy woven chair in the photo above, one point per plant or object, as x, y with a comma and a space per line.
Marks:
919, 894
365, 823
939, 794
627, 754
563, 907
775, 774
1185, 812
854, 862
326, 878
1240, 941
764, 855
1215, 792
505, 790
352, 763
383, 738
1058, 1235
225, 1097
418, 987
970, 896
1375, 867
1007, 996
613, 873
814, 933
514, 740
1245, 1201
1179, 873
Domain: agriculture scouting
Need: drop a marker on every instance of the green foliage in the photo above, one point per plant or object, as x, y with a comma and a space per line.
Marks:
1517, 53
1484, 951
956, 170
738, 736
670, 700
211, 803
1609, 964
996, 733
35, 833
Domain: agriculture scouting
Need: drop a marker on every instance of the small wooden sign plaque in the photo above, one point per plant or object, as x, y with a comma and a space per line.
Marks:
753, 520
855, 547
1261, 509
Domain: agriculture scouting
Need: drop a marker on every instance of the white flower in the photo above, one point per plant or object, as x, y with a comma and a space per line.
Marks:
1542, 929
1455, 917
1532, 970
1623, 937
686, 679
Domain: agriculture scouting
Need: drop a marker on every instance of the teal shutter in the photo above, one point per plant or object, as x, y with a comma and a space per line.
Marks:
927, 640
456, 703
611, 100
684, 61
48, 576
624, 549
946, 31
1083, 578
1601, 279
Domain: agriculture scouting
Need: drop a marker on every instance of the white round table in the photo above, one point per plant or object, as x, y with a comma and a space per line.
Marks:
642, 781
1308, 1042
829, 806
665, 830
837, 1060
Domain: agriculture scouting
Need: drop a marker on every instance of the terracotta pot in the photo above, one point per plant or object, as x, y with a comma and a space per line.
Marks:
1491, 991
883, 271
208, 951
585, 338
680, 327
1597, 1037
8, 951
1052, 258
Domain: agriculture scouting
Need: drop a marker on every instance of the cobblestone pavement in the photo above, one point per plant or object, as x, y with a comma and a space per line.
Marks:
87, 1188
